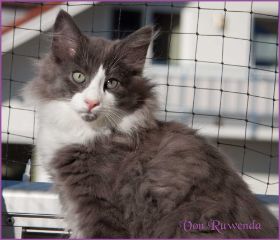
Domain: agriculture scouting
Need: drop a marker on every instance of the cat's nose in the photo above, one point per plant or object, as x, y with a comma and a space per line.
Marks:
91, 104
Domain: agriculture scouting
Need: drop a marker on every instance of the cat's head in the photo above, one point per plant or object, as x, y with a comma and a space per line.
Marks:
93, 76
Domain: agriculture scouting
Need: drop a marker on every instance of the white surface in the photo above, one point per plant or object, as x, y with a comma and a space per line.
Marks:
25, 198
21, 36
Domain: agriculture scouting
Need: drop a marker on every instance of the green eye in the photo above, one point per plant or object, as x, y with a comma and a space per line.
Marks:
111, 83
78, 77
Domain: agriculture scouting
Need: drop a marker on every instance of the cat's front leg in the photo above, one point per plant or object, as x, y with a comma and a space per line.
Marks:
85, 188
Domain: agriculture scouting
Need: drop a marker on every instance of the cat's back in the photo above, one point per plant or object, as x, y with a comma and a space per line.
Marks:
175, 175
171, 134
173, 142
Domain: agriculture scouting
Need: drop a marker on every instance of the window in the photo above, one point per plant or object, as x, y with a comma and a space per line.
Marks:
126, 21
264, 51
163, 48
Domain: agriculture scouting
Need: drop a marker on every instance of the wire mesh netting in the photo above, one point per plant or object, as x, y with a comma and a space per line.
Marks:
215, 66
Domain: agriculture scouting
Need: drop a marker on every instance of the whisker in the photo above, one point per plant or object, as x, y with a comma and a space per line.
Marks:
114, 117
122, 112
117, 113
112, 120
108, 119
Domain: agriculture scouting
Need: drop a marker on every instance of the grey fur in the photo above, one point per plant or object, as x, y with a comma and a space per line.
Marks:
146, 183
173, 175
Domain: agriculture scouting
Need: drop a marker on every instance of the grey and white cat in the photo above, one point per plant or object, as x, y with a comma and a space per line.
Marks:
120, 172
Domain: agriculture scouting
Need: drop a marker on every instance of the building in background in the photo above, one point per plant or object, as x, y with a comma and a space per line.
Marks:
213, 69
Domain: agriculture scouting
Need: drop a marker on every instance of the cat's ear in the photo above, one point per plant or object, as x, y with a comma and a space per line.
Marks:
66, 36
135, 47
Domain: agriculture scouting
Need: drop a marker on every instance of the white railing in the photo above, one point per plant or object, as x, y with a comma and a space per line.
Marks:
30, 206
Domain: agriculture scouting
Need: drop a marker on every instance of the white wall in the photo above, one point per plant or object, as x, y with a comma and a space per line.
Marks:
208, 21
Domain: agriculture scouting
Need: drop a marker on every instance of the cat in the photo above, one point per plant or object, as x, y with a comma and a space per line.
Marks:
119, 171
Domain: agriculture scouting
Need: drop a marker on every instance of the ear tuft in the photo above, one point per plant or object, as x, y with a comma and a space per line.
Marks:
66, 36
141, 37
135, 47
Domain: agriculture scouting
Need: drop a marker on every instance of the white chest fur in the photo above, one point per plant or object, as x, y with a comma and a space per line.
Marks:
60, 126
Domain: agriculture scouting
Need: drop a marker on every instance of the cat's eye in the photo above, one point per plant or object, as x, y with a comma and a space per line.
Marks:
78, 77
111, 83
